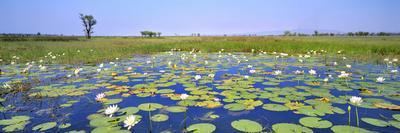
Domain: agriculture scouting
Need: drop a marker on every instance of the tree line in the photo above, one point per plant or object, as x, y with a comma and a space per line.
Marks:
150, 34
358, 33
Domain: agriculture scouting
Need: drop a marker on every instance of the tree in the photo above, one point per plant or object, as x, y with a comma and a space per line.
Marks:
88, 23
159, 34
315, 33
286, 33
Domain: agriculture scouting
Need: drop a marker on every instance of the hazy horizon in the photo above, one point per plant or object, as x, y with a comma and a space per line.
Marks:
124, 18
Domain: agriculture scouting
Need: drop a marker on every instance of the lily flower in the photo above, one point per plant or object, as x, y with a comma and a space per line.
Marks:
130, 121
100, 96
277, 72
184, 96
111, 110
252, 71
380, 79
356, 100
312, 72
197, 77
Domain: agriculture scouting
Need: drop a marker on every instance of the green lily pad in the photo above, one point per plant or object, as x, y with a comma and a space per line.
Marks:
290, 128
348, 129
245, 125
396, 116
129, 110
395, 124
176, 109
112, 101
375, 122
201, 128
159, 117
235, 107
15, 127
149, 106
14, 120
44, 126
275, 107
65, 125
315, 122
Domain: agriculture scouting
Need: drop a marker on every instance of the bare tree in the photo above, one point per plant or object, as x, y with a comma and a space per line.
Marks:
88, 23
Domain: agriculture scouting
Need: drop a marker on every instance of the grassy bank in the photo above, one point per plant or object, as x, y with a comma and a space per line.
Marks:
108, 48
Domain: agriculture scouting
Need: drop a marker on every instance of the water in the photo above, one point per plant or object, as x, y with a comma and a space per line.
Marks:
34, 92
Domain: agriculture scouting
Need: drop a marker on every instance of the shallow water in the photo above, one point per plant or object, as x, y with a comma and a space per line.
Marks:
42, 92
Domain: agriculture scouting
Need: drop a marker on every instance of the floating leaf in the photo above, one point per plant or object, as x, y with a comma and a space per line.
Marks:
245, 125
149, 106
201, 128
129, 110
176, 109
375, 122
235, 107
290, 128
315, 122
396, 116
348, 129
159, 117
275, 107
44, 126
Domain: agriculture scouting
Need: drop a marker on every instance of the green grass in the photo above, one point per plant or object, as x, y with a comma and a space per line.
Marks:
108, 48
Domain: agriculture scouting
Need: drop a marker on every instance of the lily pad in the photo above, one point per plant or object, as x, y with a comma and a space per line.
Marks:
149, 106
348, 129
245, 125
235, 107
176, 109
44, 126
315, 122
290, 128
129, 110
201, 128
396, 116
275, 107
375, 122
159, 117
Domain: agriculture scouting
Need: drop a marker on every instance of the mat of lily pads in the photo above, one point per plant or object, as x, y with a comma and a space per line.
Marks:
202, 92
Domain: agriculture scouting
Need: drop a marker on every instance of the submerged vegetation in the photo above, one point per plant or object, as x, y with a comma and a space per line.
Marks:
101, 49
197, 91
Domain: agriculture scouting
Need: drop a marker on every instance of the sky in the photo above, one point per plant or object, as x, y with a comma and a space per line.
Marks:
208, 17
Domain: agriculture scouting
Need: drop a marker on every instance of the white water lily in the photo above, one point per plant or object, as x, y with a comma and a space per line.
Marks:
197, 77
98, 69
249, 66
312, 72
393, 71
217, 99
326, 79
184, 96
246, 76
395, 60
100, 96
356, 100
110, 110
130, 121
252, 71
386, 59
335, 63
343, 74
298, 72
148, 62
162, 71
101, 65
129, 69
348, 66
380, 79
76, 71
6, 86
211, 75
277, 72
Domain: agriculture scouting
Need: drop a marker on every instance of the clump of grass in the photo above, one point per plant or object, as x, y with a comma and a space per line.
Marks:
101, 49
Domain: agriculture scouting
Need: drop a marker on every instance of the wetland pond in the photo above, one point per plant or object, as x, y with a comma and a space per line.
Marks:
202, 92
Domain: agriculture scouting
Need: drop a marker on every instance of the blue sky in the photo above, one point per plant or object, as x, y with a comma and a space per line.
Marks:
128, 17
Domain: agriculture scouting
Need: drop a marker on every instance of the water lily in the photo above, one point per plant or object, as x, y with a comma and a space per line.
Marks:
393, 71
386, 59
298, 72
246, 76
343, 74
197, 77
211, 75
252, 71
76, 71
395, 60
111, 110
6, 86
130, 121
277, 72
217, 99
312, 72
100, 96
356, 100
348, 66
129, 69
98, 69
184, 96
380, 79
326, 79
335, 63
